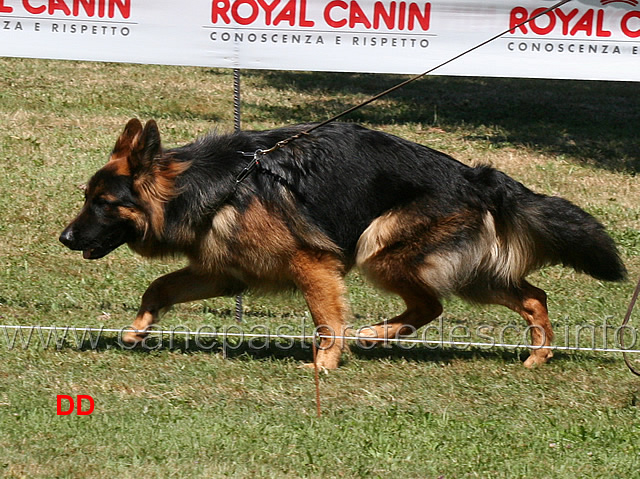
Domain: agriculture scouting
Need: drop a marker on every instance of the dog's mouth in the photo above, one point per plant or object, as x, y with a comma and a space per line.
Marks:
93, 253
97, 253
93, 248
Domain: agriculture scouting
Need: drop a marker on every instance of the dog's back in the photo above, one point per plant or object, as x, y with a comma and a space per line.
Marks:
344, 177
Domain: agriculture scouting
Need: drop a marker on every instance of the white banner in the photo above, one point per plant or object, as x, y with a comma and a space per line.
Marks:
584, 39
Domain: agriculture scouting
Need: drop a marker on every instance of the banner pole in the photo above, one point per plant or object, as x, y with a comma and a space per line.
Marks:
236, 127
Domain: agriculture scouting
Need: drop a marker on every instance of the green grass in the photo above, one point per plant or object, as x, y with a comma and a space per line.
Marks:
246, 409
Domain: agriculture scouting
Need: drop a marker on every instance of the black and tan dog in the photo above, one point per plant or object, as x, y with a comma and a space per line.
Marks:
415, 221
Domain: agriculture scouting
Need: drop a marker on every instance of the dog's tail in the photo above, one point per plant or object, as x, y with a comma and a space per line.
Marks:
534, 230
572, 237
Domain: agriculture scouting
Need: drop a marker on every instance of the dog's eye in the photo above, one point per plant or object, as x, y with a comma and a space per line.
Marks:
100, 201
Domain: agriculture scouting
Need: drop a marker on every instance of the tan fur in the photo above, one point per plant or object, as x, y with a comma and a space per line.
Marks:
156, 188
531, 303
255, 247
212, 251
128, 138
119, 165
377, 236
135, 215
154, 179
319, 276
511, 257
178, 287
387, 252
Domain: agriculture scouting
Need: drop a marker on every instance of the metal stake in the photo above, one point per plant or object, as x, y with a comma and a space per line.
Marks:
236, 127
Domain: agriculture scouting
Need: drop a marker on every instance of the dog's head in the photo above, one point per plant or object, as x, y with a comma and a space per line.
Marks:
125, 199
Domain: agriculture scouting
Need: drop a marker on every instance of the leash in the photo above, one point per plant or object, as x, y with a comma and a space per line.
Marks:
286, 141
254, 163
627, 317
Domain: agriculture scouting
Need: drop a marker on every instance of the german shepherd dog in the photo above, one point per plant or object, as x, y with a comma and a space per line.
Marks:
415, 221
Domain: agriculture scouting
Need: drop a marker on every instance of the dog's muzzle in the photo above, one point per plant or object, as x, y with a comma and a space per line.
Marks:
67, 238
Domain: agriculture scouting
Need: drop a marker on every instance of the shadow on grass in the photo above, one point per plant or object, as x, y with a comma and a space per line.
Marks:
259, 349
592, 122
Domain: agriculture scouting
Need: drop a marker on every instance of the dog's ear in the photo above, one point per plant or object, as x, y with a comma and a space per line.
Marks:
145, 147
132, 130
139, 145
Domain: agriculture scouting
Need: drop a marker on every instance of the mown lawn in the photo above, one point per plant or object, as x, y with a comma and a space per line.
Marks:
245, 408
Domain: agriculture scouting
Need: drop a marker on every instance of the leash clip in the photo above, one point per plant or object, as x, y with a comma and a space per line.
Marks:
255, 162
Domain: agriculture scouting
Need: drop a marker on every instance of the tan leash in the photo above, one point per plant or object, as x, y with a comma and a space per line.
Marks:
316, 372
624, 324
284, 142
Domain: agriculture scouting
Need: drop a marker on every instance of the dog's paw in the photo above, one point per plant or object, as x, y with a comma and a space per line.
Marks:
367, 338
537, 358
321, 369
133, 338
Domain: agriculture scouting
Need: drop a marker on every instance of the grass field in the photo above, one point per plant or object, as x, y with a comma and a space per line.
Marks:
245, 409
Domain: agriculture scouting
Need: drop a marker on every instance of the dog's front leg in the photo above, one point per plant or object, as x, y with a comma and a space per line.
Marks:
319, 276
178, 287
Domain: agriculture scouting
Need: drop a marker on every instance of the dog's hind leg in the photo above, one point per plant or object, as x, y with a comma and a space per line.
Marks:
180, 286
423, 306
320, 278
531, 303
390, 254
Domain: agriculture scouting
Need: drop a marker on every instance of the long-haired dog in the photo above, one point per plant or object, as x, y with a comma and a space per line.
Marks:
415, 221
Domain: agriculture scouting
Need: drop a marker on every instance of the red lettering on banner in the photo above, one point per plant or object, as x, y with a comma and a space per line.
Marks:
357, 16
518, 15
600, 31
89, 7
35, 10
304, 22
380, 13
5, 8
55, 5
590, 23
336, 14
565, 18
124, 7
401, 13
626, 29
424, 19
246, 12
327, 13
542, 30
388, 17
248, 20
585, 24
112, 8
220, 9
288, 14
268, 9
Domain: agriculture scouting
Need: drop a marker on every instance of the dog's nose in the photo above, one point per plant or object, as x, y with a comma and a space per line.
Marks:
66, 238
